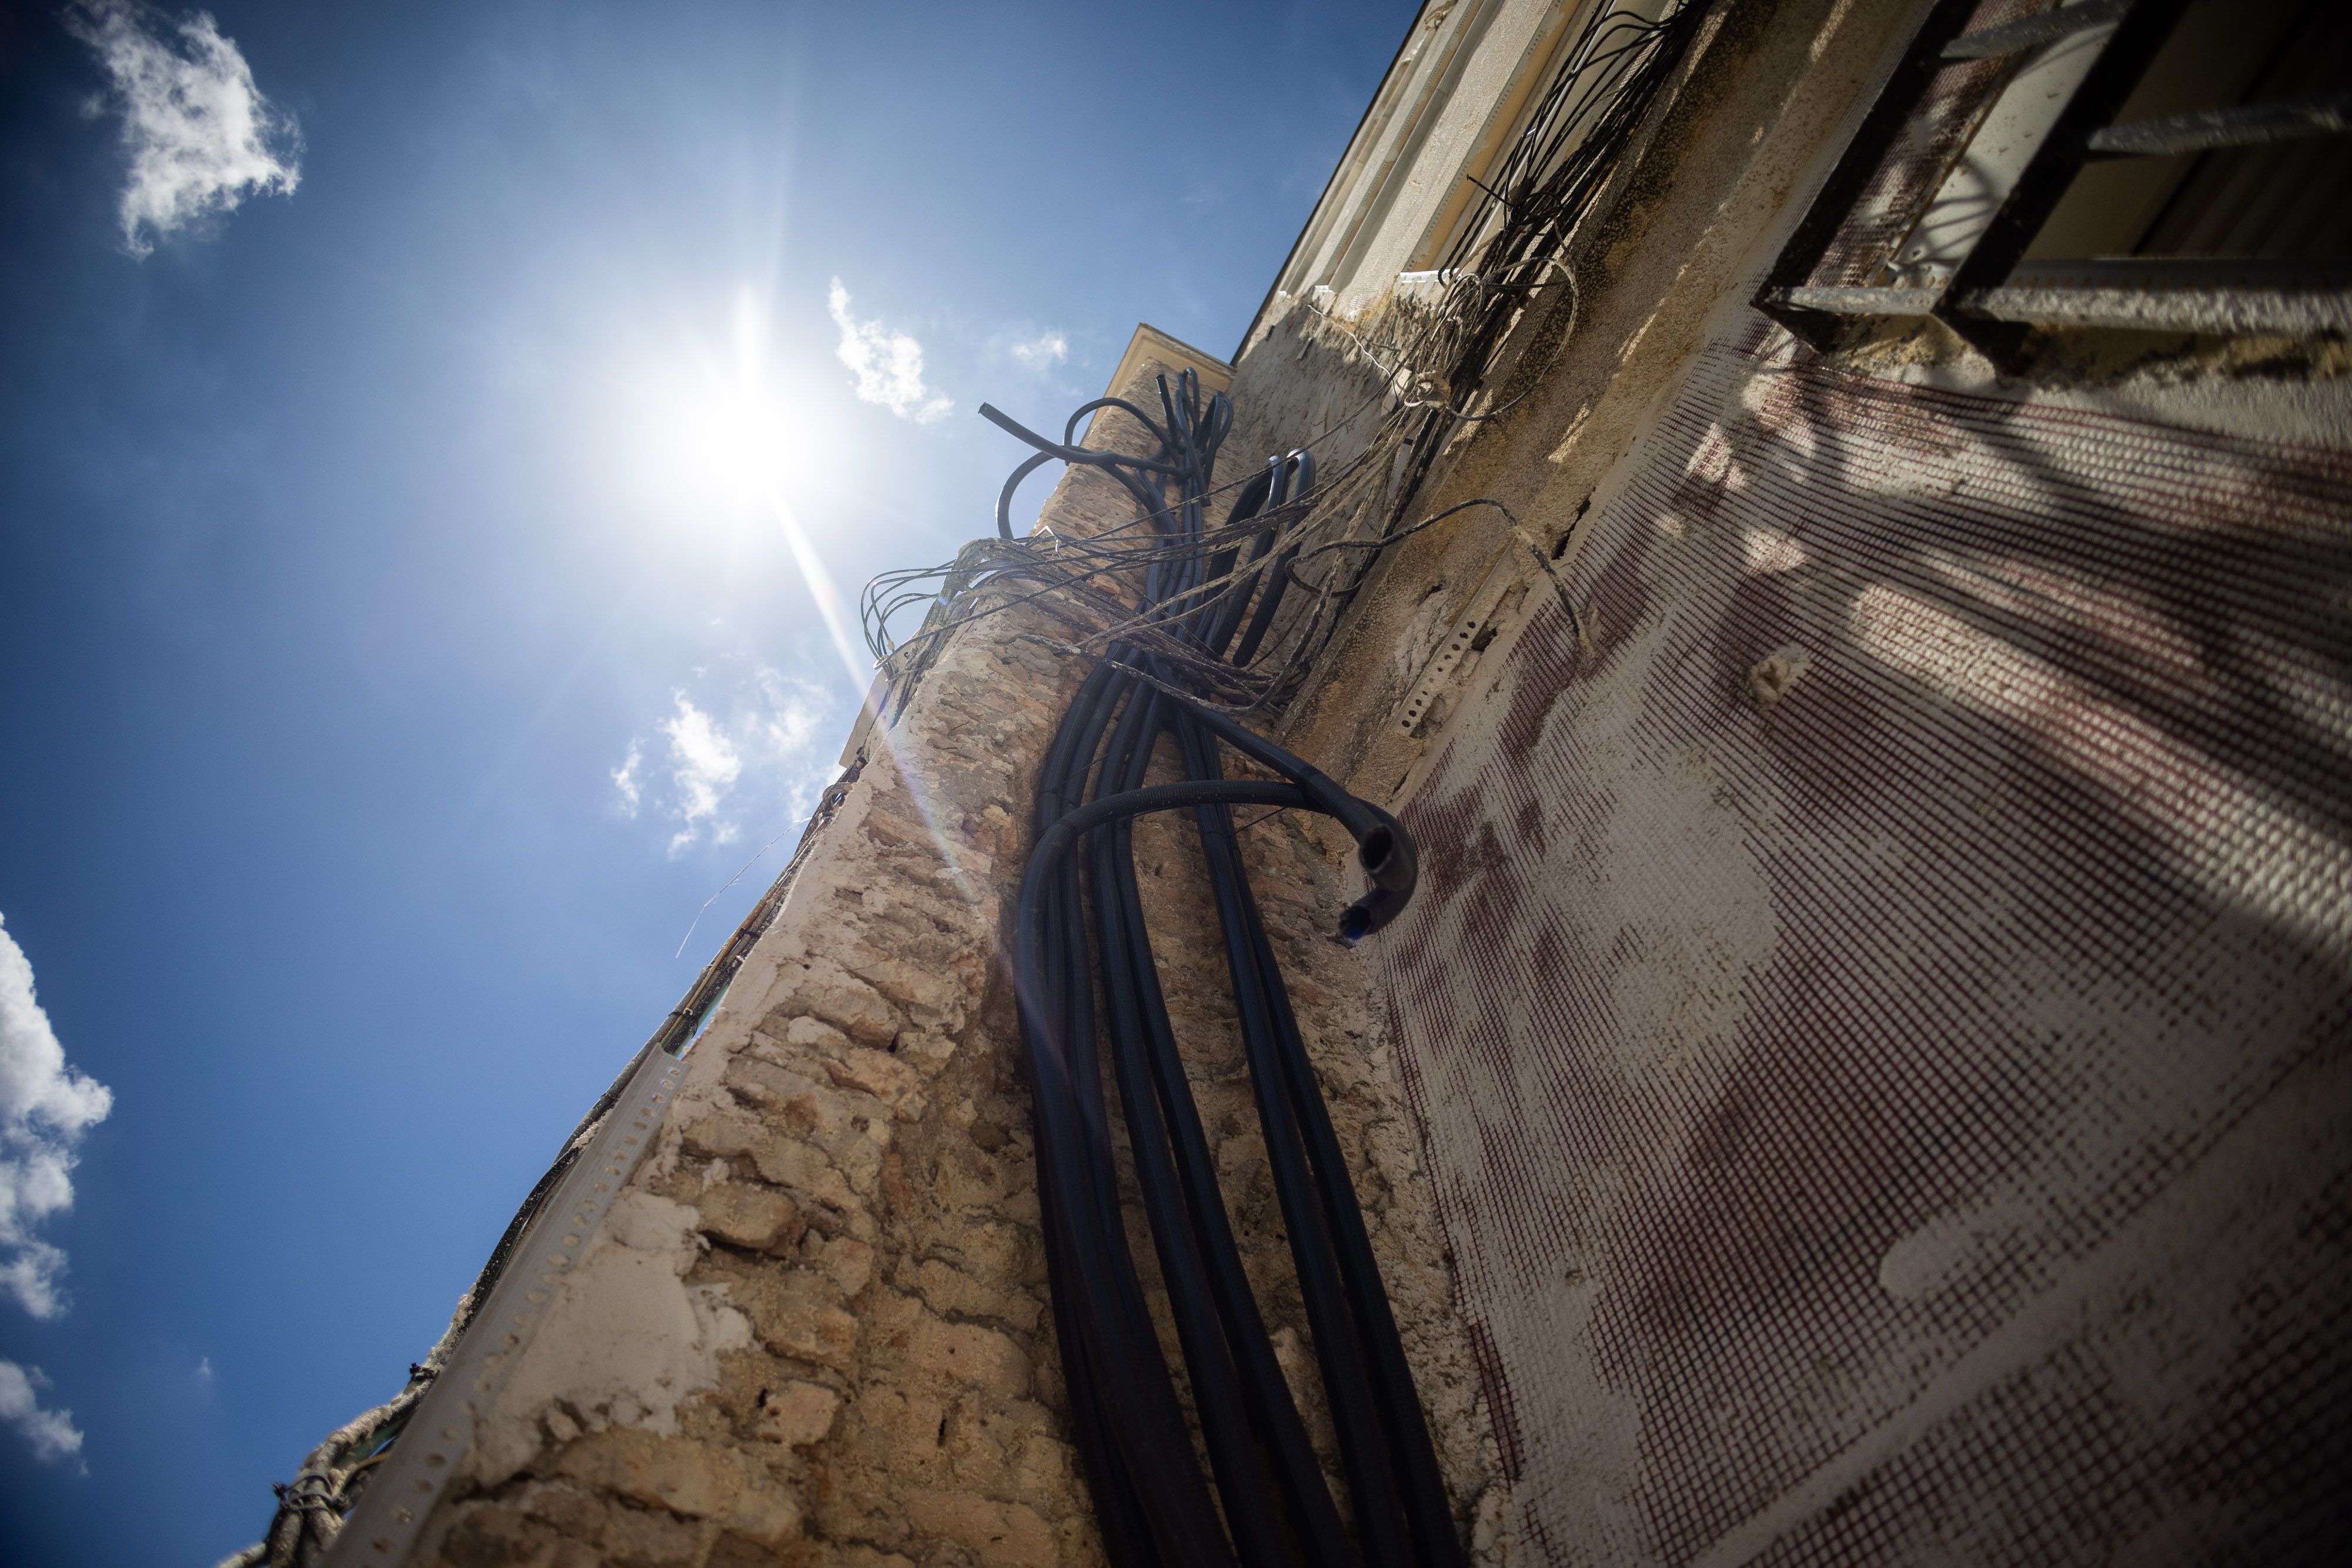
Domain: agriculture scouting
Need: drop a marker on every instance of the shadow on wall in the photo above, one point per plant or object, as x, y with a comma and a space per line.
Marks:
1878, 1022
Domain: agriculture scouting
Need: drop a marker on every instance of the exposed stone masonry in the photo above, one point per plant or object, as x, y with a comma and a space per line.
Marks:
816, 1329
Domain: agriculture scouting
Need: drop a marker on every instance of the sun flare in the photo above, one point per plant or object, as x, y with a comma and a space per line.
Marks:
724, 433
726, 429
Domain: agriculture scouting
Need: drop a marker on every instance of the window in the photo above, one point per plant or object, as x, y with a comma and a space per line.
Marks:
2168, 164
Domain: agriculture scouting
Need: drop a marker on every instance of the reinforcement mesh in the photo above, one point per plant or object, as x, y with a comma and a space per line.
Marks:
1879, 1020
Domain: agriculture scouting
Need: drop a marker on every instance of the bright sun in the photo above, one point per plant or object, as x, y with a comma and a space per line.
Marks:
723, 430
725, 437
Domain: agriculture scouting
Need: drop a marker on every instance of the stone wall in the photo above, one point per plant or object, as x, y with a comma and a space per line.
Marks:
813, 1328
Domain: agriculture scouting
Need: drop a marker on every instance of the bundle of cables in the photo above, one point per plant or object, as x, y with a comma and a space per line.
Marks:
1080, 924
1281, 523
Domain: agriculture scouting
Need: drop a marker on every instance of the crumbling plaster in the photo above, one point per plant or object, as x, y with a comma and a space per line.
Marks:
1684, 229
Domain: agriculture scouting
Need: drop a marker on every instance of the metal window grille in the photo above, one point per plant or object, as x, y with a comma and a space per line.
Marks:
2159, 164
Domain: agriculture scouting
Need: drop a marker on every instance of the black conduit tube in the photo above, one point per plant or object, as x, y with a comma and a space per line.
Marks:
1263, 1499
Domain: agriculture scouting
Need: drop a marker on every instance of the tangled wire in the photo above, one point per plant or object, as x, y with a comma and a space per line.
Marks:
1437, 344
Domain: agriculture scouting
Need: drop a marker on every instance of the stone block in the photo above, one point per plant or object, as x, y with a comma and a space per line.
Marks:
795, 1316
758, 1217
968, 1354
848, 1263
801, 1170
697, 1480
824, 989
883, 1076
947, 1289
650, 1538
798, 1414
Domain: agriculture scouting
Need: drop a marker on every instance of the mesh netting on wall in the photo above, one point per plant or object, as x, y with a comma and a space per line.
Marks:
1880, 1018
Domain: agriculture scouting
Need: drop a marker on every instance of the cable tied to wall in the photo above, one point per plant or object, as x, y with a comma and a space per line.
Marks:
1088, 988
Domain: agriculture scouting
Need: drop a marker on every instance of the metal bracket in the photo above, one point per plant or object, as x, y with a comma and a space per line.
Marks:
1484, 599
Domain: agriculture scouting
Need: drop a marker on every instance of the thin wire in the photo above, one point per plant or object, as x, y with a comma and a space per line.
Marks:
730, 882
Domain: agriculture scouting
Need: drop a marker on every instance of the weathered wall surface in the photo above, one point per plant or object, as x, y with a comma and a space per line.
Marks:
814, 1327
1880, 1016
1449, 104
1877, 1017
1764, 101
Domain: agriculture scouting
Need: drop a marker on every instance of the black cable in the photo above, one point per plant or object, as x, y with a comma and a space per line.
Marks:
1080, 922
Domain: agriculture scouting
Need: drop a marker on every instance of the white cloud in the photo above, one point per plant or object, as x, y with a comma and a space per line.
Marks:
45, 1108
704, 766
788, 714
1043, 350
888, 365
52, 1432
200, 135
716, 768
625, 780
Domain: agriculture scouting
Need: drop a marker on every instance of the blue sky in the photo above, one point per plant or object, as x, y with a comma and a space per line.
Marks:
392, 655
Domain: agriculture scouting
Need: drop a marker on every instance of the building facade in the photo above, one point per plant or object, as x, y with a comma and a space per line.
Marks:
1847, 522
